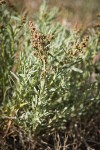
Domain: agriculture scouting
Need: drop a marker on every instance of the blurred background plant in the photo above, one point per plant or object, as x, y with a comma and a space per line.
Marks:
74, 11
46, 93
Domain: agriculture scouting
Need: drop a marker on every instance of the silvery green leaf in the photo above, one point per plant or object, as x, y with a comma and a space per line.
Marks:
77, 70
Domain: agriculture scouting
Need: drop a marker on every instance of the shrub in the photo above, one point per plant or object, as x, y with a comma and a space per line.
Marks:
44, 73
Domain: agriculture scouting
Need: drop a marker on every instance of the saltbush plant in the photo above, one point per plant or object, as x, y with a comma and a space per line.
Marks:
44, 73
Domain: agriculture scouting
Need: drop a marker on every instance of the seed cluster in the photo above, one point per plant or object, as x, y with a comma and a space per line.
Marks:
2, 2
24, 17
23, 20
83, 44
81, 47
97, 26
9, 4
78, 49
39, 41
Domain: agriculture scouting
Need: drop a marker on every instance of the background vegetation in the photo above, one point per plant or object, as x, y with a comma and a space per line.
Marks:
46, 98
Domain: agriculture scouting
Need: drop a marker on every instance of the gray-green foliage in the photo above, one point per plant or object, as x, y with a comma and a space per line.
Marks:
39, 101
